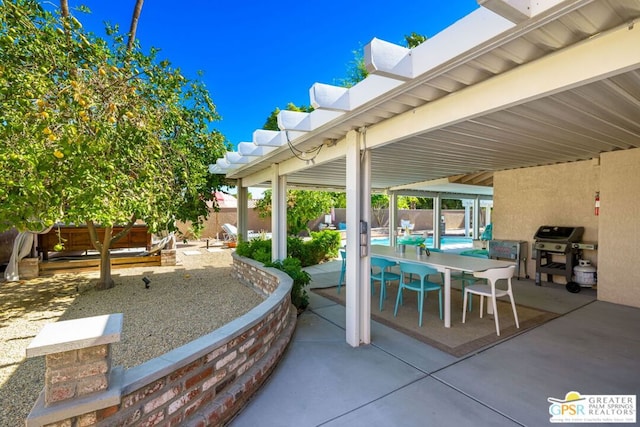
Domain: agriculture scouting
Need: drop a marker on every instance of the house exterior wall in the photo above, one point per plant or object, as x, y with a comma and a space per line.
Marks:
564, 194
619, 235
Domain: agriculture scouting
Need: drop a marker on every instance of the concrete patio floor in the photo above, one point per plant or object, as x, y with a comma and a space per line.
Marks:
592, 348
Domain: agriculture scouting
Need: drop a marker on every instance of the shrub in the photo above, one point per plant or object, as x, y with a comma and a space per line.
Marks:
258, 249
301, 280
323, 245
296, 249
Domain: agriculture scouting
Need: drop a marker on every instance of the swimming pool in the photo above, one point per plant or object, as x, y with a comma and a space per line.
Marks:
446, 242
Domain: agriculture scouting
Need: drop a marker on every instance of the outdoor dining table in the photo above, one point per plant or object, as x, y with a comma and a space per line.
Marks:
444, 263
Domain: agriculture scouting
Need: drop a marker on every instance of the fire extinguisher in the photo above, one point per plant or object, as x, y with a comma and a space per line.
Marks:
597, 210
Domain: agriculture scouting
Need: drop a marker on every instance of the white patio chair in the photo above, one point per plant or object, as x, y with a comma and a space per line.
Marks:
491, 291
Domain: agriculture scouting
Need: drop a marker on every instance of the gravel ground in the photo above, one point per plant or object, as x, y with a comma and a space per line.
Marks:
183, 302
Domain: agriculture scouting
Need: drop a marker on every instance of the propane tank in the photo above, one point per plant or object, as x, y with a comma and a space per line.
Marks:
585, 273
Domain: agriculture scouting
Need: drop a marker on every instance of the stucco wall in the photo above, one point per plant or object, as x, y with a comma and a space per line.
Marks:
619, 236
563, 194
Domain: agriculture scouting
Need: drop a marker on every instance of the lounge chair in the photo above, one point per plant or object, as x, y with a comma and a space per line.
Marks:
231, 233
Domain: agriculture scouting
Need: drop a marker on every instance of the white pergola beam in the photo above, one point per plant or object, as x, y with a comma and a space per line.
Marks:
269, 138
252, 149
327, 154
329, 97
305, 122
234, 157
518, 10
258, 178
513, 10
386, 59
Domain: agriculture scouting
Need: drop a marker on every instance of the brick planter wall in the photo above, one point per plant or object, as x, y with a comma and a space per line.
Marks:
205, 382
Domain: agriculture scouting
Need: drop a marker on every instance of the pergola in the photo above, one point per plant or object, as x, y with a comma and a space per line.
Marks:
514, 84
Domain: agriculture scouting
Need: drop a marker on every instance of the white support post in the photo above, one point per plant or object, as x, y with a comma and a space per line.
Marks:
437, 212
476, 218
365, 255
393, 218
356, 298
467, 220
278, 215
467, 217
242, 212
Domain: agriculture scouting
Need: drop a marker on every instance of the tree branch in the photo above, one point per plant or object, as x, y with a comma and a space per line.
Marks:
93, 234
134, 24
124, 231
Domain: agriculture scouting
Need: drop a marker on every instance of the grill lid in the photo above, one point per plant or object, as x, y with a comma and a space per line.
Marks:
559, 234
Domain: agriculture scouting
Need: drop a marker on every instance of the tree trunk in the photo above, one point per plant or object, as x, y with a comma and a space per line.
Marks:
105, 281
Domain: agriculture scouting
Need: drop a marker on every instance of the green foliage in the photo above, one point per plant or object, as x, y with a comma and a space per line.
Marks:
296, 249
339, 199
379, 204
323, 245
414, 39
301, 280
93, 132
258, 249
356, 70
302, 207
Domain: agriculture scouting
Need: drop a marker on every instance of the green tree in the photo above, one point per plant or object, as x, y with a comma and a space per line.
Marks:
302, 207
414, 39
379, 202
356, 70
97, 133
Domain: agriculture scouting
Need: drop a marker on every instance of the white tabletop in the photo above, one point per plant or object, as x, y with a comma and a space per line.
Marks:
439, 260
444, 263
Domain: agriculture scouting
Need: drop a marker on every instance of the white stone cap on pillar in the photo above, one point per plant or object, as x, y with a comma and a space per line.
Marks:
76, 334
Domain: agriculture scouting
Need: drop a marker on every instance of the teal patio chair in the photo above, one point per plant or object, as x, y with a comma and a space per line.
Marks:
421, 285
380, 272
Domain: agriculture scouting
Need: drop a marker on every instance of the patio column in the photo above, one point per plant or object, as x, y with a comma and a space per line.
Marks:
393, 217
487, 209
278, 214
437, 212
467, 217
476, 217
358, 291
243, 213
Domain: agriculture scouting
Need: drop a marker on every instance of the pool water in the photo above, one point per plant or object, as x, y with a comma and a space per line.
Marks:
446, 242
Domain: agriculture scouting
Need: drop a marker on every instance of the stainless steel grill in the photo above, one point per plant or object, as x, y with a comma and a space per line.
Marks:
555, 241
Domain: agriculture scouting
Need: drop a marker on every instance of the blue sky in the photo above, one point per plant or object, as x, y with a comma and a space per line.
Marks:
260, 55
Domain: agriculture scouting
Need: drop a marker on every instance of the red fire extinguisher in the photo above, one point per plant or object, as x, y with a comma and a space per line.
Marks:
597, 210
